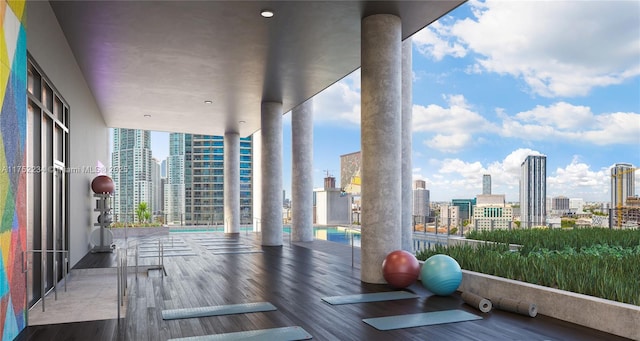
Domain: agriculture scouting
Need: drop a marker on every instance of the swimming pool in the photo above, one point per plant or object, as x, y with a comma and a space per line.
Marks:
335, 234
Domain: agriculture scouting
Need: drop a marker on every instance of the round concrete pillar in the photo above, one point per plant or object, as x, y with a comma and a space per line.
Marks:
271, 203
231, 183
302, 172
407, 142
380, 141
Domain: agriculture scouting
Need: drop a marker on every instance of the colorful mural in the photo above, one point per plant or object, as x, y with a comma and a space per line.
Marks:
13, 74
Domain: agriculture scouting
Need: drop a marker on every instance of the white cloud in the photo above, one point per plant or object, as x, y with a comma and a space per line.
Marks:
449, 143
454, 125
436, 41
559, 48
340, 102
577, 179
578, 124
456, 178
615, 128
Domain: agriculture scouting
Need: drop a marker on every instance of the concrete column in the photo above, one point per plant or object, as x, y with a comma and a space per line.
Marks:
381, 71
231, 182
407, 142
256, 177
271, 206
302, 172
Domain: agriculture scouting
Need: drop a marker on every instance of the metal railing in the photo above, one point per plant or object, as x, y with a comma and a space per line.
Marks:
43, 276
122, 260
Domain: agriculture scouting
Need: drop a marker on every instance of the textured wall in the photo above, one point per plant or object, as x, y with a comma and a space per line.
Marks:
13, 131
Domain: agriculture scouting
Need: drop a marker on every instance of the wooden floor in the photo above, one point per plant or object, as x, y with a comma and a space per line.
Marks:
294, 278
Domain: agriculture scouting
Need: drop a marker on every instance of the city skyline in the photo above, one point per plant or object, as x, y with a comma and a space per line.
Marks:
481, 106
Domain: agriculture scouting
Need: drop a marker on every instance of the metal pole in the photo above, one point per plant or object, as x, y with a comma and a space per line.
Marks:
352, 252
55, 276
162, 260
118, 278
126, 272
64, 270
136, 262
42, 277
25, 271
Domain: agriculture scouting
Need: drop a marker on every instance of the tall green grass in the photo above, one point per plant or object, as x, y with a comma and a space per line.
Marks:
598, 262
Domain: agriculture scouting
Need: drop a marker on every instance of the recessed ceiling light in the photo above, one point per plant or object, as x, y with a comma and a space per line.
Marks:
266, 13
147, 115
241, 122
208, 102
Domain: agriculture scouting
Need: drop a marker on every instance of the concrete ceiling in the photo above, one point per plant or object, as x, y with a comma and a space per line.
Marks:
153, 64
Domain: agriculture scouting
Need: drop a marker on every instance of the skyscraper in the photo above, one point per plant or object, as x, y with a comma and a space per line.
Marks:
486, 184
533, 191
131, 172
622, 187
195, 185
174, 186
156, 189
421, 208
622, 183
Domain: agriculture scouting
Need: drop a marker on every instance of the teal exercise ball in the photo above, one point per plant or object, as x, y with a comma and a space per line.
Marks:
441, 274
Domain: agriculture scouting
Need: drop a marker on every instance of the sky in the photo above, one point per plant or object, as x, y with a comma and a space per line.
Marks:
496, 81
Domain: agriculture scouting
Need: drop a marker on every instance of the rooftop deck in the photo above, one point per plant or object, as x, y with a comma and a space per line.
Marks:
293, 278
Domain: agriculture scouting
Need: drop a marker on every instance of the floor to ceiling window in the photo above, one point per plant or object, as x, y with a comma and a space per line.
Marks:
47, 185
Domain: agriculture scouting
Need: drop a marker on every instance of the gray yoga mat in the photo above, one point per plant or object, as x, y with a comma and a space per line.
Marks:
174, 314
221, 244
421, 319
372, 297
274, 334
229, 252
155, 254
228, 247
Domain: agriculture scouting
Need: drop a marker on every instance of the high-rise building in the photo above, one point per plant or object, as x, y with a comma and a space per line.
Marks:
156, 188
622, 184
174, 186
131, 172
163, 168
421, 204
486, 184
533, 191
199, 199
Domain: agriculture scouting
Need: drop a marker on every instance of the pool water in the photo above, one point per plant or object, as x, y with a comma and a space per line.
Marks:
335, 234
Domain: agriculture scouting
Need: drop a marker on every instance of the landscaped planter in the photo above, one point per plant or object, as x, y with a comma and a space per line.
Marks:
605, 315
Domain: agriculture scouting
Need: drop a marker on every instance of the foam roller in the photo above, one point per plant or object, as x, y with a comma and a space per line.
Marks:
478, 302
515, 306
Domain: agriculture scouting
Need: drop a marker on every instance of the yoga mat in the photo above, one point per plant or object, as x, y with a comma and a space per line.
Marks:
373, 297
421, 319
236, 248
174, 314
221, 244
274, 334
478, 302
155, 249
233, 252
515, 306
155, 254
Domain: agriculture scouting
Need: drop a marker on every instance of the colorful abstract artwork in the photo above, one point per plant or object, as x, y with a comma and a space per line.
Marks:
13, 74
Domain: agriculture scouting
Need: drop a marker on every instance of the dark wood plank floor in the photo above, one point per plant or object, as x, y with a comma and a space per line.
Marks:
294, 278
